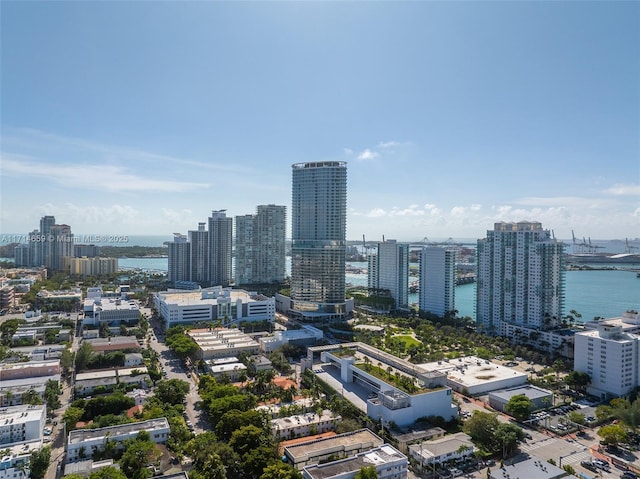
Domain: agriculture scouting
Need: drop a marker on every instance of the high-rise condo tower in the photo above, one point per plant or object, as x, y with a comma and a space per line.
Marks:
520, 278
319, 226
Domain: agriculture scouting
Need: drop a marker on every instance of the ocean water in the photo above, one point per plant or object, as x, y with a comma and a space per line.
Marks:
605, 293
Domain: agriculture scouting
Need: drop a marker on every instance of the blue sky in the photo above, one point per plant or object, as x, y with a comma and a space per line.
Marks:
142, 117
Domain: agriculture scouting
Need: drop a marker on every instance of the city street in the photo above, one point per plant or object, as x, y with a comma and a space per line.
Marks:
58, 435
175, 370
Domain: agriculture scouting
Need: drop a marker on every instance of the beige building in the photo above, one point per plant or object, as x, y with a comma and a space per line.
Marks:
222, 343
92, 266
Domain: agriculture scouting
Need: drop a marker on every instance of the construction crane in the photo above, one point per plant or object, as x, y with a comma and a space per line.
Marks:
581, 246
629, 247
592, 247
366, 248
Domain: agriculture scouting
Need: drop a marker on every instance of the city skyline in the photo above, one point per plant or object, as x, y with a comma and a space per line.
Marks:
451, 116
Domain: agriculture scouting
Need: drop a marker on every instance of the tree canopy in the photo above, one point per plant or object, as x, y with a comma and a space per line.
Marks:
519, 406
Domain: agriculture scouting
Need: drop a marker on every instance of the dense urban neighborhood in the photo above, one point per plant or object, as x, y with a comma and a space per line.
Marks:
99, 382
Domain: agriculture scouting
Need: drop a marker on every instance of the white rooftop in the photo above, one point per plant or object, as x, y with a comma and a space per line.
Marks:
472, 371
283, 423
82, 435
101, 374
20, 414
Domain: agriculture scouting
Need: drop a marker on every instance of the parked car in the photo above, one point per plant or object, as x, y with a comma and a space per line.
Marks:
589, 465
601, 464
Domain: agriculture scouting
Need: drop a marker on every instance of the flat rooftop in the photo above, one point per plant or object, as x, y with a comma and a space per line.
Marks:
51, 363
473, 371
101, 374
284, 423
530, 468
530, 391
129, 371
375, 457
110, 304
20, 414
444, 445
81, 435
226, 368
310, 448
23, 449
204, 297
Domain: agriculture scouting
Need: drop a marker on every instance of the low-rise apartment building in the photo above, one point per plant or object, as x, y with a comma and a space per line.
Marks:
82, 443
340, 446
15, 460
30, 369
222, 343
20, 424
304, 424
388, 461
443, 449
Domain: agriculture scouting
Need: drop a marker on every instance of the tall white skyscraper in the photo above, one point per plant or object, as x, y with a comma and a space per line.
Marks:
260, 246
437, 280
319, 227
389, 269
220, 248
179, 252
199, 240
520, 279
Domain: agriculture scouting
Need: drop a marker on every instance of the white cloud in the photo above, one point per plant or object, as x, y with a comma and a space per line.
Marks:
376, 213
100, 218
370, 153
411, 210
112, 178
388, 144
623, 190
184, 218
367, 154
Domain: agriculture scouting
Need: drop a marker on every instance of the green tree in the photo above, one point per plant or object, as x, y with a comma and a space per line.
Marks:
507, 437
577, 418
172, 391
604, 412
256, 460
234, 420
481, 426
138, 454
577, 380
613, 434
31, 397
213, 468
182, 345
83, 356
66, 359
40, 463
630, 414
367, 472
72, 416
280, 470
108, 472
519, 406
247, 438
